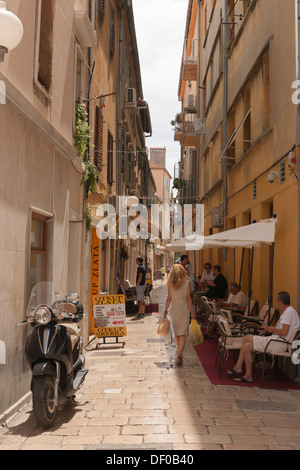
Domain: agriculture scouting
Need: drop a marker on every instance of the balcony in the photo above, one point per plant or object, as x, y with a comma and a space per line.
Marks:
190, 60
177, 127
189, 138
178, 135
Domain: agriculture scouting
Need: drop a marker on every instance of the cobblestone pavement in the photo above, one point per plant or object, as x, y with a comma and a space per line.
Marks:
137, 398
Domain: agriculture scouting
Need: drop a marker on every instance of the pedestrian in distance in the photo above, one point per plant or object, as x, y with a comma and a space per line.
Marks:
180, 302
140, 287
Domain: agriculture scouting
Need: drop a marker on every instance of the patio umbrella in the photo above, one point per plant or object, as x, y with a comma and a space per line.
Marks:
198, 242
252, 235
259, 232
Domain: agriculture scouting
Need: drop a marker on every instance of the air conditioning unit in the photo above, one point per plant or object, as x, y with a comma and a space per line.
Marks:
130, 100
217, 217
200, 126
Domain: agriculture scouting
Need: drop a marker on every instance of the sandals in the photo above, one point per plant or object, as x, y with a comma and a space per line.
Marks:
242, 380
233, 372
179, 360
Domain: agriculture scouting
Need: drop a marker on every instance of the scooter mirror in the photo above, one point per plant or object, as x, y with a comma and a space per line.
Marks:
74, 297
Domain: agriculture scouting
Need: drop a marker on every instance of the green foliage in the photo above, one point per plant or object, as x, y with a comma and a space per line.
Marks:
82, 129
178, 183
88, 218
90, 176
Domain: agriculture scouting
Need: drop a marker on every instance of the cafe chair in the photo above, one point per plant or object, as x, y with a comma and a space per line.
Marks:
211, 311
226, 342
251, 325
285, 355
200, 304
234, 326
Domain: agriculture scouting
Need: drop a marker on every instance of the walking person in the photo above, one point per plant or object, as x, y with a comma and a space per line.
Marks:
179, 297
140, 287
168, 271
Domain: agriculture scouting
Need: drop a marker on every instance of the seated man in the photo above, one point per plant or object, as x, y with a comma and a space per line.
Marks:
217, 287
288, 322
237, 298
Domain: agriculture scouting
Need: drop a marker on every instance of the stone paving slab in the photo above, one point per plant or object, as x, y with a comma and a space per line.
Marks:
137, 398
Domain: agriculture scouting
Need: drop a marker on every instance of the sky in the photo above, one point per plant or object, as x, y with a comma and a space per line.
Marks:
160, 28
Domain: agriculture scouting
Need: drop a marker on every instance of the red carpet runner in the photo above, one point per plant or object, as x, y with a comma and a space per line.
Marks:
207, 354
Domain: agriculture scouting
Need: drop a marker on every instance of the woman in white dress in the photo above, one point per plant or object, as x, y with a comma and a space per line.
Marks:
179, 296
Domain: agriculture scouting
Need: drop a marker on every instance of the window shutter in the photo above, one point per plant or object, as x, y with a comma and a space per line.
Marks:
112, 39
46, 45
110, 156
101, 11
124, 149
99, 139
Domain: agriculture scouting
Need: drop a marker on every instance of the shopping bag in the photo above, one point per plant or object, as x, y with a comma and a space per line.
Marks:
168, 338
163, 327
196, 335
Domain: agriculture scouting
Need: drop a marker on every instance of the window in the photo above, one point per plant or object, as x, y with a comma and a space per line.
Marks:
124, 150
266, 89
112, 33
110, 156
247, 123
38, 250
231, 22
101, 10
44, 49
99, 139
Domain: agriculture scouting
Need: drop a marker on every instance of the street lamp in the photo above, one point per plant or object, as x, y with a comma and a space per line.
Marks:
11, 30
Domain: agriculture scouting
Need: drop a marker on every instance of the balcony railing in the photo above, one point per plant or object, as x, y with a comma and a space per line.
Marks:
188, 192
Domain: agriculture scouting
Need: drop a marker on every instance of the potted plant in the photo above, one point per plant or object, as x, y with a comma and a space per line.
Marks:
177, 123
178, 183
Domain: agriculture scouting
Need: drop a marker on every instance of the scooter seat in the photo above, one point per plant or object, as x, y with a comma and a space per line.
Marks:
73, 331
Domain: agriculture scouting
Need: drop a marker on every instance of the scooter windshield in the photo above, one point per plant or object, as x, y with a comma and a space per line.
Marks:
43, 293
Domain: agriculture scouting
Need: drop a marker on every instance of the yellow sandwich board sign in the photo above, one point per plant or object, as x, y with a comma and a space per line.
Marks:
109, 316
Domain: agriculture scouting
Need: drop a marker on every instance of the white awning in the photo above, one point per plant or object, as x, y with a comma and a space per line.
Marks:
197, 243
260, 232
247, 236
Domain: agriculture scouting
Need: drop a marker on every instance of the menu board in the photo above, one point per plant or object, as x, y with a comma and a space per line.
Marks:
109, 316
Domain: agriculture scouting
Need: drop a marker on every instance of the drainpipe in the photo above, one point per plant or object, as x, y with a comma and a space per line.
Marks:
119, 129
198, 99
224, 20
297, 31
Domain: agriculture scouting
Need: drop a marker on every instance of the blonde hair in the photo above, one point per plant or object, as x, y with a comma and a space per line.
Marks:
177, 277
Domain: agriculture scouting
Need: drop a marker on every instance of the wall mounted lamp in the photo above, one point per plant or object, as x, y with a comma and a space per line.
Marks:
11, 30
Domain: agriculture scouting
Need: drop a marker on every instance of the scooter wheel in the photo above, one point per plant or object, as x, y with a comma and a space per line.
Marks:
44, 408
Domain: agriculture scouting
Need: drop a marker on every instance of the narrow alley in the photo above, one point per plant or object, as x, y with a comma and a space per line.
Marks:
136, 398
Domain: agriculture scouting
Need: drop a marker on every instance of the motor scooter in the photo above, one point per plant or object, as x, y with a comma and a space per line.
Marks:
54, 350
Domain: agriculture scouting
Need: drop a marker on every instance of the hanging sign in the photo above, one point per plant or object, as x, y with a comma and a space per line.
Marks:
109, 316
